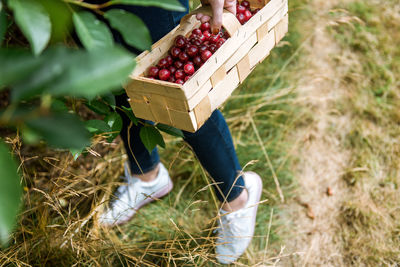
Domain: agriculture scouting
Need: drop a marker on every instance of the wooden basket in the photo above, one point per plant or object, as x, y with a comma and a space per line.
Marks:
189, 105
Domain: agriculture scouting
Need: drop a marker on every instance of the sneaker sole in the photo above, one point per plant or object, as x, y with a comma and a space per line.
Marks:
159, 194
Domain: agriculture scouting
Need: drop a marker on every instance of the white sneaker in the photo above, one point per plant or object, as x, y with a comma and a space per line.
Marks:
134, 195
236, 229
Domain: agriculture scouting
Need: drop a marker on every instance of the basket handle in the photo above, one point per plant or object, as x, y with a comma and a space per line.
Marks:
229, 21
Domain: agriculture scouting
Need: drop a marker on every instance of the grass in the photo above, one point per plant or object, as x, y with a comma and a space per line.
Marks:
58, 226
370, 215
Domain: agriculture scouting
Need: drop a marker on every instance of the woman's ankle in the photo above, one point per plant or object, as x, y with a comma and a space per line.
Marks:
237, 203
149, 176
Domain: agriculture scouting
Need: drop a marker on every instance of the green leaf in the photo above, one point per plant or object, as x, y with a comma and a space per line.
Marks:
92, 73
34, 22
129, 113
98, 107
51, 68
29, 136
151, 137
76, 152
58, 105
16, 65
3, 22
97, 126
10, 193
61, 130
60, 14
173, 5
115, 122
169, 130
109, 98
132, 28
63, 71
92, 32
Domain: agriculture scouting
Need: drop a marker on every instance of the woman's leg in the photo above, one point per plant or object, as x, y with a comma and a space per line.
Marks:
213, 146
140, 161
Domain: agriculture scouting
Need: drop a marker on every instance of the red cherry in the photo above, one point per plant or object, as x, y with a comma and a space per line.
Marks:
192, 51
247, 15
179, 81
183, 57
192, 36
188, 69
206, 43
175, 51
187, 78
196, 32
255, 11
179, 74
190, 62
214, 38
241, 18
197, 61
205, 26
213, 48
201, 37
220, 42
180, 41
169, 60
205, 55
153, 72
178, 64
164, 74
240, 9
207, 34
196, 41
246, 4
226, 35
203, 48
163, 63
171, 79
172, 69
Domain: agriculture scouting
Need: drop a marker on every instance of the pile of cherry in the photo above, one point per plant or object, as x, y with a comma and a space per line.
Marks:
189, 54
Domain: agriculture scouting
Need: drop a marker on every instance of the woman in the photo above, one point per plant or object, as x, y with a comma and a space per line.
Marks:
147, 178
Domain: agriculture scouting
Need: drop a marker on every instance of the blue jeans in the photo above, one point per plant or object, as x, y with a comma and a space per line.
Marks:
212, 143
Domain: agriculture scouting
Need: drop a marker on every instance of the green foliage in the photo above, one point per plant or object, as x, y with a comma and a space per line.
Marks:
92, 32
132, 28
61, 130
60, 14
151, 137
169, 130
97, 126
165, 4
62, 71
129, 113
98, 106
33, 21
3, 22
10, 193
114, 121
46, 81
16, 64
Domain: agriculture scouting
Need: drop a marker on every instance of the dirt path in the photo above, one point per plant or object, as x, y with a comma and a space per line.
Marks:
322, 159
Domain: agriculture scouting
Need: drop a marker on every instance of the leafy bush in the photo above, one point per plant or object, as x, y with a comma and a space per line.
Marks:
44, 74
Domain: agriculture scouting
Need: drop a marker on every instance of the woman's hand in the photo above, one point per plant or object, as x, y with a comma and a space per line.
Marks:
217, 7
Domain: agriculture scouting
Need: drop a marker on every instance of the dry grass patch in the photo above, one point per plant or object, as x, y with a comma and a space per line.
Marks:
370, 214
